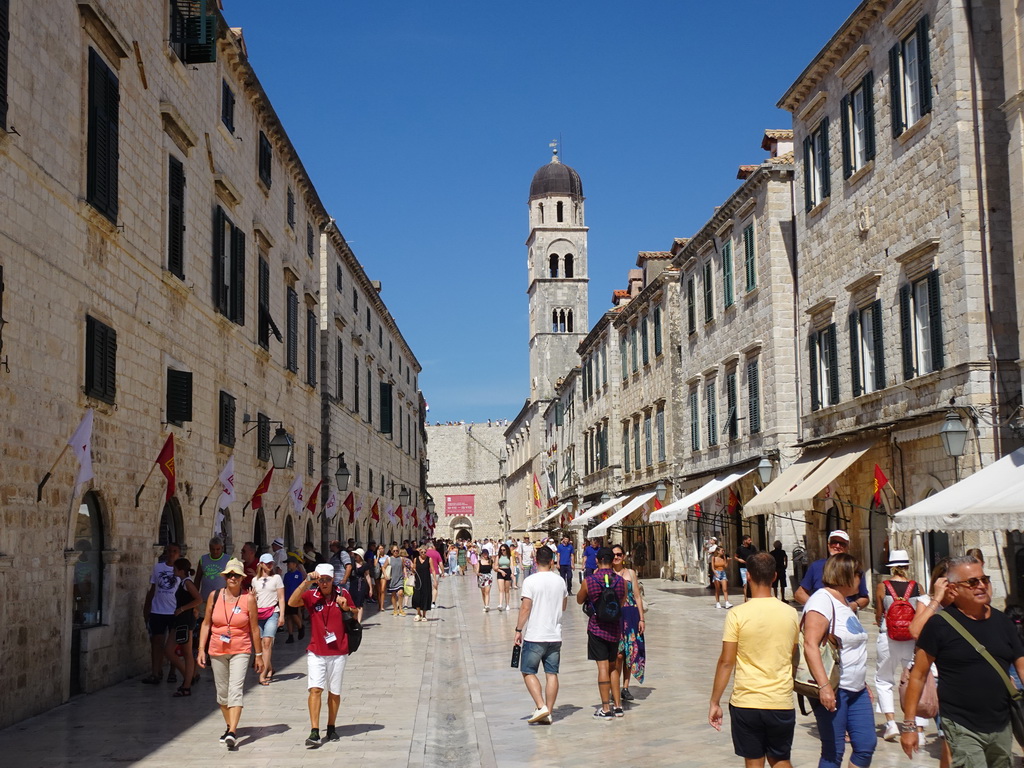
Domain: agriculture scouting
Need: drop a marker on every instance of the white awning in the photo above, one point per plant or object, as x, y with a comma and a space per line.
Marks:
841, 459
558, 510
992, 499
593, 512
626, 511
678, 510
791, 476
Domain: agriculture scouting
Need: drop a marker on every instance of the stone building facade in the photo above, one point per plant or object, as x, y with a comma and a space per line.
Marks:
736, 305
467, 460
162, 268
906, 307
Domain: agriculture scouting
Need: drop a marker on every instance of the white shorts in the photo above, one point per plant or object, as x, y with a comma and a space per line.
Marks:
325, 672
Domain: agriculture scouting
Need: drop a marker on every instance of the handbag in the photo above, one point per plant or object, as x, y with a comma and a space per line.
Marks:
387, 571
830, 647
354, 631
1016, 696
266, 613
409, 585
928, 706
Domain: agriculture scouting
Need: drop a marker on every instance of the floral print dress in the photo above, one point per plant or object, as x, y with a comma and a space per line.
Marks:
631, 644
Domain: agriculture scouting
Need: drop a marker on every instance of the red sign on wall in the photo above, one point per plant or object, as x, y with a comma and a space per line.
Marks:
459, 505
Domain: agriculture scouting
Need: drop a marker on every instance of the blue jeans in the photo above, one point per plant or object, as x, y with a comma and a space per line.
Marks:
853, 715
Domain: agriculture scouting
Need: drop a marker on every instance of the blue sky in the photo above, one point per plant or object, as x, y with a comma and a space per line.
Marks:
421, 124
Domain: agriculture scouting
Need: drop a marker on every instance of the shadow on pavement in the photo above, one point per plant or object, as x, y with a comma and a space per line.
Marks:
247, 736
357, 728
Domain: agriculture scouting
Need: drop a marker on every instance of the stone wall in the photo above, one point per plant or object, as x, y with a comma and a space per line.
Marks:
464, 460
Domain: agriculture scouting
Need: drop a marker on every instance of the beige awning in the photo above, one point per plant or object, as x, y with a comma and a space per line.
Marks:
637, 502
764, 502
679, 509
593, 512
557, 511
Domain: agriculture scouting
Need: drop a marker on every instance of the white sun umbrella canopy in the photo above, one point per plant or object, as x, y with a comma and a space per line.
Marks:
593, 512
602, 528
678, 510
557, 511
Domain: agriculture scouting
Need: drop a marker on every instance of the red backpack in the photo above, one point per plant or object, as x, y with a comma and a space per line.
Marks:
900, 613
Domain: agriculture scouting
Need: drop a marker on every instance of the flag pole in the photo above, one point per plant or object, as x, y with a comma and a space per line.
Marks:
143, 486
46, 477
278, 507
207, 496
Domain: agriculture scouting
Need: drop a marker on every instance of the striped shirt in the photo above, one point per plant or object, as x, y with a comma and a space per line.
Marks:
606, 630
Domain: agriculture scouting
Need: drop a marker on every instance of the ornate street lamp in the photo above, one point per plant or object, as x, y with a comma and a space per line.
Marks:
404, 497
281, 449
764, 470
954, 435
343, 474
605, 498
661, 490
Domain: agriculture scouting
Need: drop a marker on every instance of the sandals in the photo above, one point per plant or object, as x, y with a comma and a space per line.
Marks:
264, 682
182, 691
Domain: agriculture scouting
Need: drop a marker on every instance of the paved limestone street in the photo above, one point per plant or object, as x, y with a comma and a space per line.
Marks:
433, 694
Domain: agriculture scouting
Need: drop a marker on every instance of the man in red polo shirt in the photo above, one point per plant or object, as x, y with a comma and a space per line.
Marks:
328, 646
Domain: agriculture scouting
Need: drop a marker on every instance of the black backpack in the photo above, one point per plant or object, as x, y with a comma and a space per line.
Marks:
607, 607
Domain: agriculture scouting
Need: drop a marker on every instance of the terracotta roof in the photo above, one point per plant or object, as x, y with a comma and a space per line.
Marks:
776, 134
620, 294
786, 158
745, 170
654, 255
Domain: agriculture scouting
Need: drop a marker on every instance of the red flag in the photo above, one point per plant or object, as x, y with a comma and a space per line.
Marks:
398, 514
263, 487
415, 518
657, 504
375, 511
880, 482
696, 510
311, 504
350, 505
734, 502
166, 462
536, 492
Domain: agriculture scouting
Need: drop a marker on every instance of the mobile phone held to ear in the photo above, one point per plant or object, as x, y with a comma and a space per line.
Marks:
517, 651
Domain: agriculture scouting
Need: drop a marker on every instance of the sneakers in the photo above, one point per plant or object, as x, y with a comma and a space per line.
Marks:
892, 732
920, 739
600, 714
230, 740
718, 605
545, 720
225, 735
332, 734
313, 741
487, 608
617, 711
508, 607
539, 714
625, 695
728, 604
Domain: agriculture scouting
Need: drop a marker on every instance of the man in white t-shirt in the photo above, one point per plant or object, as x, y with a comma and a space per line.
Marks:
159, 609
489, 547
524, 554
280, 556
540, 615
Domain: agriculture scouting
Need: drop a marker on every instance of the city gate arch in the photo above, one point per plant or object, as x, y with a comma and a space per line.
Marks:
461, 528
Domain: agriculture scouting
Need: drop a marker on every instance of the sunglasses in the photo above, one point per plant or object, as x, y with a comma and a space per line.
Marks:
973, 583
839, 543
617, 554
232, 575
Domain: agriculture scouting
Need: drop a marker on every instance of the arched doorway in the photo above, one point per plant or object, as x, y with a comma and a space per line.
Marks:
172, 527
461, 528
87, 580
259, 531
289, 535
309, 532
223, 530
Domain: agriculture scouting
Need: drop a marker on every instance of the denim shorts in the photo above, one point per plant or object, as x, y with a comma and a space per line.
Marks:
268, 626
535, 653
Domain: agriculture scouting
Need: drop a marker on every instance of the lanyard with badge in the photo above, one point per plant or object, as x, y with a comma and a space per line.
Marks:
226, 638
329, 637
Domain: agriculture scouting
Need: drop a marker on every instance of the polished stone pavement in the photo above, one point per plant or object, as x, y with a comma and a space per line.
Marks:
438, 694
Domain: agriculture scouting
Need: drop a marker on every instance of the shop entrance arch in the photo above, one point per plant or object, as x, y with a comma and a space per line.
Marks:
461, 528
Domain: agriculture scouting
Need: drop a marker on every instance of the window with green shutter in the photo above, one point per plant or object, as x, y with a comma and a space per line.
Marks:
659, 423
694, 420
100, 360
921, 321
226, 420
754, 396
228, 268
910, 78
727, 274
657, 331
386, 396
636, 443
817, 183
262, 437
867, 353
691, 306
310, 241
750, 257
266, 324
290, 216
312, 342
292, 331
369, 396
634, 352
355, 383
339, 389
176, 217
4, 38
732, 426
643, 340
179, 396
710, 404
623, 358
625, 448
648, 441
227, 106
709, 292
102, 149
264, 160
857, 124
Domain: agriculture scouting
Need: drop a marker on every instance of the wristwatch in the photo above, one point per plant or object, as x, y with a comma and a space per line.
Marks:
908, 726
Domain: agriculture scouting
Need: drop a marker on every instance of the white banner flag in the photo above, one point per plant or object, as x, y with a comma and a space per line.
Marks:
298, 497
390, 512
331, 506
218, 524
358, 507
81, 444
227, 484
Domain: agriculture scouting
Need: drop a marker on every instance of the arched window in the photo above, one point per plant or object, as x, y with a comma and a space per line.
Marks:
561, 321
560, 211
172, 530
553, 265
289, 535
309, 531
540, 210
568, 265
259, 531
87, 590
554, 321
569, 323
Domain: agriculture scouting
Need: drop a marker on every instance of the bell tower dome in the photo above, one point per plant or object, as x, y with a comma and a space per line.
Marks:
557, 284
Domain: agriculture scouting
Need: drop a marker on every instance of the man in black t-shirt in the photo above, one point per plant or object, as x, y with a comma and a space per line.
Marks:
973, 699
743, 551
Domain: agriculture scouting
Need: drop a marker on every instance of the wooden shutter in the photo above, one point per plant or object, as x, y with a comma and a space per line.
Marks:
264, 158
100, 360
754, 397
749, 257
4, 36
227, 106
906, 333
730, 397
291, 209
263, 300
855, 353
812, 353
935, 321
879, 344
691, 309
727, 274
924, 70
262, 437
623, 357
644, 341
826, 167
896, 89
179, 396
200, 32
227, 419
293, 331
310, 250
833, 364
103, 153
808, 175
237, 276
220, 300
559, 414
385, 408
709, 394
846, 136
657, 330
340, 391
312, 341
176, 218
868, 88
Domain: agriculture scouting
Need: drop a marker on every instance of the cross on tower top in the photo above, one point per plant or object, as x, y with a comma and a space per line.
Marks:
554, 150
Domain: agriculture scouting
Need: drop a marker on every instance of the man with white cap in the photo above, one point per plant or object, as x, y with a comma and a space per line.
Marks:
280, 555
838, 541
328, 646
